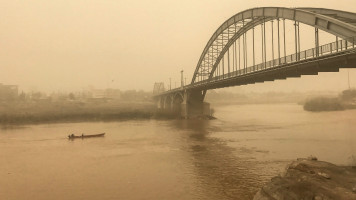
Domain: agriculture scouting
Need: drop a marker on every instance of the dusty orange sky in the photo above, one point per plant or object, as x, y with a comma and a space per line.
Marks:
66, 45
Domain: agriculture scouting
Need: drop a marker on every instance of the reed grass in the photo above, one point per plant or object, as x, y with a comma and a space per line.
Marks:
52, 112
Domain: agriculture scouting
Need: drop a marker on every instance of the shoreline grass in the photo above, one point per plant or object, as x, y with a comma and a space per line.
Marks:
37, 113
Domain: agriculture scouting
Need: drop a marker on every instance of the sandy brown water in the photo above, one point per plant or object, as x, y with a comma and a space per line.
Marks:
227, 158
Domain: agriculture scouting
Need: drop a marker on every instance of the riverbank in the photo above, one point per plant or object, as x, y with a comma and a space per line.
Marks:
311, 179
56, 112
324, 104
345, 100
20, 113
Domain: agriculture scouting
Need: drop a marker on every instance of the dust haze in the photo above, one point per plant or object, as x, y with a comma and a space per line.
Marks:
68, 46
80, 118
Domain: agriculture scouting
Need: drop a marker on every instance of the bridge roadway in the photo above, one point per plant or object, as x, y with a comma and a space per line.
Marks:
328, 63
188, 100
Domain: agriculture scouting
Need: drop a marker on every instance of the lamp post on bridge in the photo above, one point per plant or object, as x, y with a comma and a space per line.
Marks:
181, 79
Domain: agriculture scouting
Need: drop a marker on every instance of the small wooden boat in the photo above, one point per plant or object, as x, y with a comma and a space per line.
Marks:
72, 136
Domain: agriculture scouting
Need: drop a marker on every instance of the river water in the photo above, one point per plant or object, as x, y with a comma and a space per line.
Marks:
227, 158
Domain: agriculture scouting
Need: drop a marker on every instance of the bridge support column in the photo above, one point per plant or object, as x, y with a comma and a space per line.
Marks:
167, 104
160, 103
193, 105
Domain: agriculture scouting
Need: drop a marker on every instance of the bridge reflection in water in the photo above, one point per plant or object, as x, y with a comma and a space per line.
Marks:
230, 59
221, 170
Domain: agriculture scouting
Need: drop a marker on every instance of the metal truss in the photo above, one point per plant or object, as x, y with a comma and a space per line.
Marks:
231, 35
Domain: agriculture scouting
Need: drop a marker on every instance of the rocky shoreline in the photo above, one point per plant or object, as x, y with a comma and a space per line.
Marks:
311, 179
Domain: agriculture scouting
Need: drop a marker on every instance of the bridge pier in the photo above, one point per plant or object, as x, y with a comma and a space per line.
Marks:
167, 104
159, 103
186, 104
193, 104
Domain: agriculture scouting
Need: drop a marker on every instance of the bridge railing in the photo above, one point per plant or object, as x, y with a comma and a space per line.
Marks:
330, 48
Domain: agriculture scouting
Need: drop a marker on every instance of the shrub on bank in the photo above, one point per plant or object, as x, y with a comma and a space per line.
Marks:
33, 113
323, 104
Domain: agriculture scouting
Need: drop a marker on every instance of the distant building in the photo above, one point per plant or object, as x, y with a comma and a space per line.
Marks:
113, 93
98, 94
8, 92
102, 94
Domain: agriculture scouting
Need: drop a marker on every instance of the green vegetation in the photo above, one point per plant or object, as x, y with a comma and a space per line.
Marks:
323, 104
89, 105
68, 111
346, 100
348, 95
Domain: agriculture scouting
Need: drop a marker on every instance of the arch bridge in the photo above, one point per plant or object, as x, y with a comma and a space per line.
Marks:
239, 54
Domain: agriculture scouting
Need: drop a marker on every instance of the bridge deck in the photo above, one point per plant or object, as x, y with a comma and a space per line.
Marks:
213, 72
311, 66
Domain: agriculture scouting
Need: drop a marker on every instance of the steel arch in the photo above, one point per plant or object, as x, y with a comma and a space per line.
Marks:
336, 22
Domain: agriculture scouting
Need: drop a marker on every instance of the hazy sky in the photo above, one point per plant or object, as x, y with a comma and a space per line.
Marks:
66, 45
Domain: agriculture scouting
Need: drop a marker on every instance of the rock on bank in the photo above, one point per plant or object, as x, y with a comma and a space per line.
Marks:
311, 179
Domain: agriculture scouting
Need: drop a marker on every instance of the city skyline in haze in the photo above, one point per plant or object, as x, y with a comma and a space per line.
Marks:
62, 45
